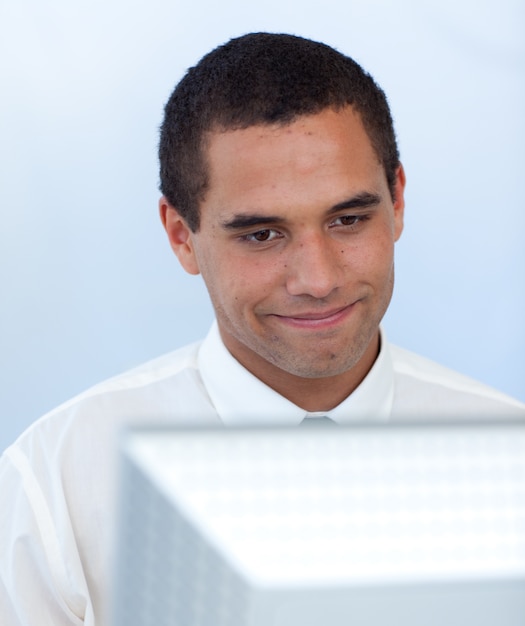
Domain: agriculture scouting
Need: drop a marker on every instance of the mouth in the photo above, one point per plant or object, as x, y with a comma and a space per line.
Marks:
317, 319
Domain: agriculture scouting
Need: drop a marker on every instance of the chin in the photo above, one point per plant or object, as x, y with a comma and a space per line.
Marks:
304, 367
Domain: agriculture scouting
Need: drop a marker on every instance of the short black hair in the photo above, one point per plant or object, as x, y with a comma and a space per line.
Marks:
262, 78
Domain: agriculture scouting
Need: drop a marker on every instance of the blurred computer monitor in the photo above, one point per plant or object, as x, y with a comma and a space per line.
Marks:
407, 524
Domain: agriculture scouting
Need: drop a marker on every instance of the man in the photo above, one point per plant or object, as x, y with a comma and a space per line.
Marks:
282, 186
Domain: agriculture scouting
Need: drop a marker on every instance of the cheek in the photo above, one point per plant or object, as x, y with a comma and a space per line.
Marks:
374, 259
254, 282
232, 283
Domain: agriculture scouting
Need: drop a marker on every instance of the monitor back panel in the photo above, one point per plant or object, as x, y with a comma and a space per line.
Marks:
407, 524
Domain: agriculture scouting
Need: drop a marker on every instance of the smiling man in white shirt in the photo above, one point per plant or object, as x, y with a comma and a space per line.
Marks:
282, 186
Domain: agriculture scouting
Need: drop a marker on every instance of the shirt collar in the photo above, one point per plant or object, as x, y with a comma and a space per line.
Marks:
242, 399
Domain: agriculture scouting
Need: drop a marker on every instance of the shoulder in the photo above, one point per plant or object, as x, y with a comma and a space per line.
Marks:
58, 481
149, 373
158, 389
422, 384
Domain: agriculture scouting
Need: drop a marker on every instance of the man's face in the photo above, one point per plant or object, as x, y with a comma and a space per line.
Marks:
296, 244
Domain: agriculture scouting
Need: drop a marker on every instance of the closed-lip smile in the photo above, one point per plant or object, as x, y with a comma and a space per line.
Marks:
316, 319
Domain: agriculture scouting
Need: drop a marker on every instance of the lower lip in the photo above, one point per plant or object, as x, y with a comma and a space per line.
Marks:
318, 323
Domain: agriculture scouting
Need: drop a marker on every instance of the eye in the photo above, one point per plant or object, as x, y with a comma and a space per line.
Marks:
262, 236
349, 220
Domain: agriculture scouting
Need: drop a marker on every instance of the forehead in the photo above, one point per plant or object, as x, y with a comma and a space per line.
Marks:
345, 120
331, 144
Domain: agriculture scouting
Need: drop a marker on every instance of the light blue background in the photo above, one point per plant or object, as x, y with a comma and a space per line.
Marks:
89, 286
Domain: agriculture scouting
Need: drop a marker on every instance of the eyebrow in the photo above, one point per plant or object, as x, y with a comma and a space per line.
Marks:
363, 200
247, 221
360, 201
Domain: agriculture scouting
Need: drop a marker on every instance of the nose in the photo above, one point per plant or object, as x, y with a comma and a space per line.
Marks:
314, 267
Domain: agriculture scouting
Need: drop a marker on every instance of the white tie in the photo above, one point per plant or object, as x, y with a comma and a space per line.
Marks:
313, 421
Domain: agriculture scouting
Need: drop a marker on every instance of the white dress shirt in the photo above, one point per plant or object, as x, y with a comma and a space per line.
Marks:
58, 481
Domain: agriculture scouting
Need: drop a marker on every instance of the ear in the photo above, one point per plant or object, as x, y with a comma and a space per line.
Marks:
399, 202
180, 236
